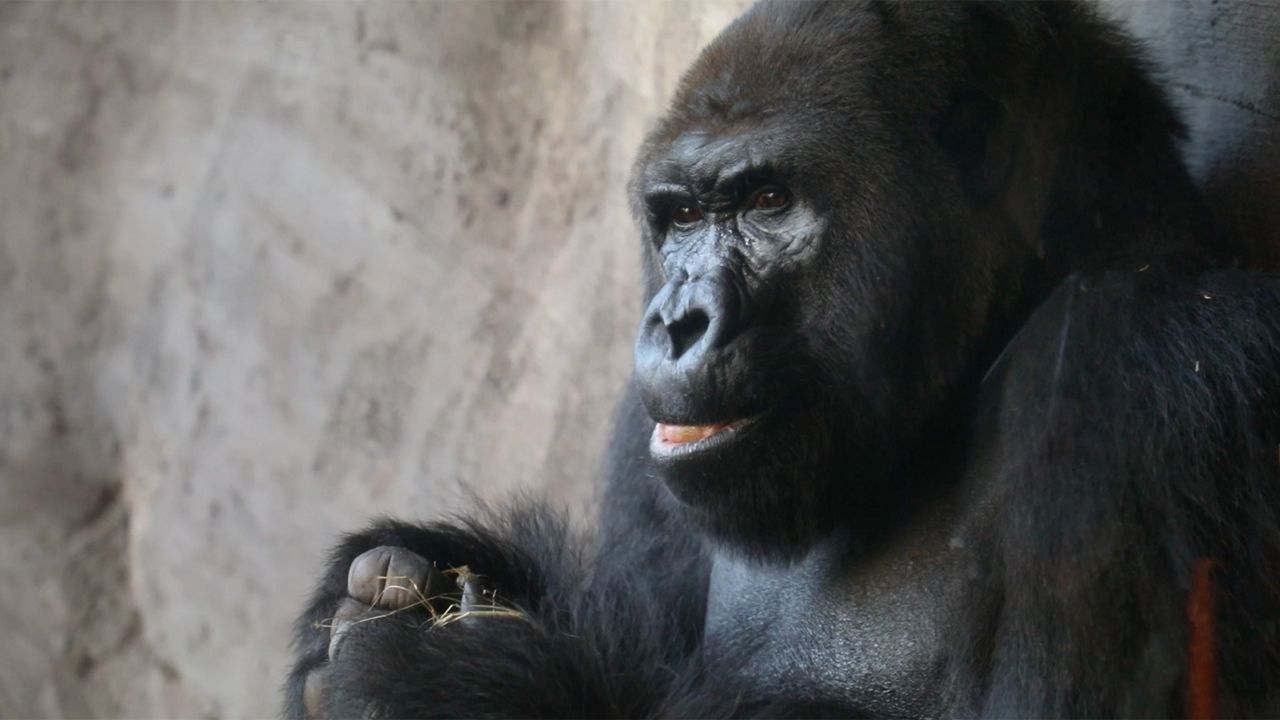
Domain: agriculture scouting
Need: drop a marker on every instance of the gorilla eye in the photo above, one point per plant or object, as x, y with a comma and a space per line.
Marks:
686, 214
771, 199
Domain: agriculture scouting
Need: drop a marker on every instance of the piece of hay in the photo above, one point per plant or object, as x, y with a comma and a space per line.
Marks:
466, 604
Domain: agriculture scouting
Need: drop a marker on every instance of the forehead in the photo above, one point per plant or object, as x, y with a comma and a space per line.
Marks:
702, 157
802, 146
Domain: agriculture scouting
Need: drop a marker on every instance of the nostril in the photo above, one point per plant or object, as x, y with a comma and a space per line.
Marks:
686, 331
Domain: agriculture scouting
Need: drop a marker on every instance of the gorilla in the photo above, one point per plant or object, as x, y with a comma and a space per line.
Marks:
949, 400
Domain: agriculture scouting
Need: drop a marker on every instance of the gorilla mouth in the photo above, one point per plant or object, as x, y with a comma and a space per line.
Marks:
671, 441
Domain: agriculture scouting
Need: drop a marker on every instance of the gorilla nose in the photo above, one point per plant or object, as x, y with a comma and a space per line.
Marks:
684, 332
683, 337
691, 317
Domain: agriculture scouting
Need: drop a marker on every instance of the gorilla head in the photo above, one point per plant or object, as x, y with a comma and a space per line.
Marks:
840, 228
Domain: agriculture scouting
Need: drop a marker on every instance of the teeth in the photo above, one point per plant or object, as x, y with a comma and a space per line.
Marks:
683, 434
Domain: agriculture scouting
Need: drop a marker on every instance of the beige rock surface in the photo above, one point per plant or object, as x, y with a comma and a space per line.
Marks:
267, 270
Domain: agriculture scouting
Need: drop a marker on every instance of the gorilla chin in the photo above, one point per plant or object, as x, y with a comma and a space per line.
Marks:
748, 482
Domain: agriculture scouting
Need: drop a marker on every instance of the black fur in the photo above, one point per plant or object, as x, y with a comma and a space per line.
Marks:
1009, 385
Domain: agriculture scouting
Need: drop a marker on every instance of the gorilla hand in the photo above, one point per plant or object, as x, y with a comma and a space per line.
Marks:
382, 589
384, 581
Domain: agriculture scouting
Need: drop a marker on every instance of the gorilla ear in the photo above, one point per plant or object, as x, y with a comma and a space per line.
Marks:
965, 130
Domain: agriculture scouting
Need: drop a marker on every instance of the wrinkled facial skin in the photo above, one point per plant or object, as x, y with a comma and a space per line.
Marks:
724, 351
729, 237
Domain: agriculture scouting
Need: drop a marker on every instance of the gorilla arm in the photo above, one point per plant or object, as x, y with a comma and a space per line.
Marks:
619, 643
613, 637
619, 636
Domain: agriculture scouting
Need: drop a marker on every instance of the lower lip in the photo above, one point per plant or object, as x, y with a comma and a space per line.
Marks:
663, 450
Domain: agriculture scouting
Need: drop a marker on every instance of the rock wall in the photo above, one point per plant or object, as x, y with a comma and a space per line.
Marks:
266, 270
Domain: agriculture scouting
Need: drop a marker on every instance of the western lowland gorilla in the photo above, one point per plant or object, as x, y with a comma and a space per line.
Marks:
948, 400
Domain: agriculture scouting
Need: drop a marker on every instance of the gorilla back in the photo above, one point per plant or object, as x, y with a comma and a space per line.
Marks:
949, 400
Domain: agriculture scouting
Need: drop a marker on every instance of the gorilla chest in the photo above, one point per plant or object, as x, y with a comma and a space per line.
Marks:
869, 633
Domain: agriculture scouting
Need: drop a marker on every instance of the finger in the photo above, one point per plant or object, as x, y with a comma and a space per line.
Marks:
392, 578
366, 577
344, 617
410, 579
470, 595
315, 692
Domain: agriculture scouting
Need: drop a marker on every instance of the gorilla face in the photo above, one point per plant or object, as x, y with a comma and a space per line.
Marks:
730, 237
756, 349
819, 277
721, 358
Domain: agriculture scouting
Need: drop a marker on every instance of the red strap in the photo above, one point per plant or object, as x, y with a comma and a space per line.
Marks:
1202, 662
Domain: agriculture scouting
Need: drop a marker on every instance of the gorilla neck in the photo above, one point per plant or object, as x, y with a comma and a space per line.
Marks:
869, 494
867, 627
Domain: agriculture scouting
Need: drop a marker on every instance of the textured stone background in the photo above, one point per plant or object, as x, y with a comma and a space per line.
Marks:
266, 270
